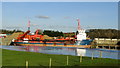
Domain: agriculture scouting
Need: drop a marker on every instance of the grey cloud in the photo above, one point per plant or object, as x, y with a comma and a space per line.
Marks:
42, 17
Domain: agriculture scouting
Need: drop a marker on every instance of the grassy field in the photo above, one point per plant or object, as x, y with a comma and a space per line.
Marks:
18, 58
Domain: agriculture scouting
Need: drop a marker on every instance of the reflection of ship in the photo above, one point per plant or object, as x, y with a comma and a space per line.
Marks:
30, 39
81, 52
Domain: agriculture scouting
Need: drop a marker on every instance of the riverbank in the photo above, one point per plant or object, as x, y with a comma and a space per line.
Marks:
18, 58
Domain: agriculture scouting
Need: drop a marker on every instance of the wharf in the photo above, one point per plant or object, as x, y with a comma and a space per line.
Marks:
108, 46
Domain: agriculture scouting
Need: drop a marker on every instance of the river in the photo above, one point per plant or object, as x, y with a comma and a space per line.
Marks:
104, 53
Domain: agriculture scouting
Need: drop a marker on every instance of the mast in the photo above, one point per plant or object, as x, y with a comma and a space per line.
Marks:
29, 25
78, 24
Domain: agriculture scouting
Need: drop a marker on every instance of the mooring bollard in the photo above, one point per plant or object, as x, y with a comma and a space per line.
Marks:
92, 56
67, 60
80, 58
100, 54
26, 64
50, 63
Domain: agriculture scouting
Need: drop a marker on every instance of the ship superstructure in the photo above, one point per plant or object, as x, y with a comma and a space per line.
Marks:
81, 32
82, 36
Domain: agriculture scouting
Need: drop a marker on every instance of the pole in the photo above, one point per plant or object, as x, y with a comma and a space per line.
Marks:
100, 54
92, 56
50, 63
80, 58
67, 60
26, 64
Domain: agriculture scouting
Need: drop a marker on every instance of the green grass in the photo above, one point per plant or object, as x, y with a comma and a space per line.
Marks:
18, 58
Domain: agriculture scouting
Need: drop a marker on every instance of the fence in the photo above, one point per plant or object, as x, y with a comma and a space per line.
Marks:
81, 59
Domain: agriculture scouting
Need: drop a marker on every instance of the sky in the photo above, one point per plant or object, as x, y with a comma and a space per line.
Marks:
60, 0
61, 16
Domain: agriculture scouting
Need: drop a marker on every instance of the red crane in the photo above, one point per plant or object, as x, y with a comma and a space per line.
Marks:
23, 35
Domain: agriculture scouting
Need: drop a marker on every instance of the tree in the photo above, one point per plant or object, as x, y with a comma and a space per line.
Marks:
104, 33
53, 33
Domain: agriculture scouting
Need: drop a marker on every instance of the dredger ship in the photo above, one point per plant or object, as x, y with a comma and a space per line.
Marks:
32, 40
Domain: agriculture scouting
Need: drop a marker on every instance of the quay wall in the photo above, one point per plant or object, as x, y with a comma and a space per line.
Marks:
106, 41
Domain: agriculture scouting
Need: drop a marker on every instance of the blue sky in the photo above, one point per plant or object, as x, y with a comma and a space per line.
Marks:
59, 15
60, 0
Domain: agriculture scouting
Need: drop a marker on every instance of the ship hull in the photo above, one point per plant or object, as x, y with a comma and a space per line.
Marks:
50, 44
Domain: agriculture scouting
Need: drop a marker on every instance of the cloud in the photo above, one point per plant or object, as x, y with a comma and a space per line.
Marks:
42, 17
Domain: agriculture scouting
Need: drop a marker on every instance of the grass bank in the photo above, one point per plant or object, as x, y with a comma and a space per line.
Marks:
18, 58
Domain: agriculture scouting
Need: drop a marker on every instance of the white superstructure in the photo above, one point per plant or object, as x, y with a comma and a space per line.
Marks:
81, 35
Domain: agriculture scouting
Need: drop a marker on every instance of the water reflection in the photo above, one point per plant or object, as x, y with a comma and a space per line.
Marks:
66, 51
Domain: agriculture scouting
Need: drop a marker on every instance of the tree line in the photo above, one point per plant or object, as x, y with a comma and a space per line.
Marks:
52, 33
45, 32
104, 33
4, 31
92, 33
